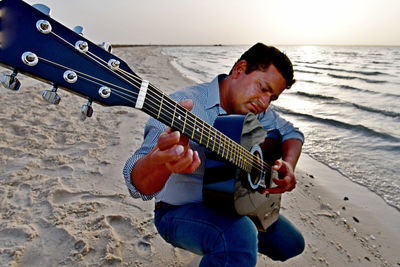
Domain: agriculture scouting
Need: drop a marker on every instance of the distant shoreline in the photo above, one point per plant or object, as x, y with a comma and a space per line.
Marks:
189, 45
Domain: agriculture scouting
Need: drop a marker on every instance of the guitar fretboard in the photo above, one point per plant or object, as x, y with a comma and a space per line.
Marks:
166, 110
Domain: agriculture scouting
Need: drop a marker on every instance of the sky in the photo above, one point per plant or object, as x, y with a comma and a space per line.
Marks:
277, 22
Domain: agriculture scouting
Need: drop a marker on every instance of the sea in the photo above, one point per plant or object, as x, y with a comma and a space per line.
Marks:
346, 100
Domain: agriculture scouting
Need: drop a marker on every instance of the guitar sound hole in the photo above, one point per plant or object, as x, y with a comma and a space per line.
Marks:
255, 174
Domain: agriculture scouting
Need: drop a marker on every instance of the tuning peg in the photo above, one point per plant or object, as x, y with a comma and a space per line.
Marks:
11, 82
78, 30
87, 110
106, 46
42, 8
51, 96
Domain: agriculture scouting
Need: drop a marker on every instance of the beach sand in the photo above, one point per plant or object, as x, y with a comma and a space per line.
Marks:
64, 202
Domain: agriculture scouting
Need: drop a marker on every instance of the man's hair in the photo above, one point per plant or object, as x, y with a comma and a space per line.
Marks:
261, 56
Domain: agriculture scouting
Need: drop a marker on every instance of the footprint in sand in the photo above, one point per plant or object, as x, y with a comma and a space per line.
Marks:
62, 196
130, 235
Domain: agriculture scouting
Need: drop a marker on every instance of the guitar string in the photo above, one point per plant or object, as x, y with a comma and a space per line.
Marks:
115, 91
235, 153
259, 167
231, 145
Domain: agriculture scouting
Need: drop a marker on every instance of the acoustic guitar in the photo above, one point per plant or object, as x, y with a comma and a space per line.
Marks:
34, 44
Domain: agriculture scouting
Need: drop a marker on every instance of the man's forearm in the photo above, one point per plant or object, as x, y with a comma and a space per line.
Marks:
291, 150
148, 178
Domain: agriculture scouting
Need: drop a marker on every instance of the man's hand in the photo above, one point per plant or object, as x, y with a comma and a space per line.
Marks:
173, 149
287, 183
171, 154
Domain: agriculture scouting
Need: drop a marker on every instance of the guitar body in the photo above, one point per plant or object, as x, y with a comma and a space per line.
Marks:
226, 187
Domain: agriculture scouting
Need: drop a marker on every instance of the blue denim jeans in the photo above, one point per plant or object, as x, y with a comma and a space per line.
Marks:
226, 240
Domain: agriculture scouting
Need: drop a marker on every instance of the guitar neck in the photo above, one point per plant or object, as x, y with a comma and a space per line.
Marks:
166, 110
94, 73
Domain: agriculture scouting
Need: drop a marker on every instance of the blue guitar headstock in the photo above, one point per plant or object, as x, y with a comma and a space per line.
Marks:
35, 44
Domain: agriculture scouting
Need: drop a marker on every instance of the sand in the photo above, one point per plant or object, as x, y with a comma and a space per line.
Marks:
64, 202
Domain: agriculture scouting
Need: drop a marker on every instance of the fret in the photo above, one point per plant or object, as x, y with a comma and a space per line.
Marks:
242, 163
232, 146
194, 127
233, 152
221, 145
227, 146
235, 155
161, 104
228, 156
173, 116
224, 148
201, 135
184, 122
215, 138
208, 138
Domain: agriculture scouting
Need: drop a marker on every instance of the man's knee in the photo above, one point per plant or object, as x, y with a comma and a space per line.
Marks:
282, 241
236, 245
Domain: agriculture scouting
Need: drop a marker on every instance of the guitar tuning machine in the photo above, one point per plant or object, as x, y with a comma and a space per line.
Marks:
87, 110
106, 46
82, 46
10, 81
51, 96
114, 64
78, 29
42, 8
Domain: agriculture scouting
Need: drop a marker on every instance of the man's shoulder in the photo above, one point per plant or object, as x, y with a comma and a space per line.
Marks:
195, 92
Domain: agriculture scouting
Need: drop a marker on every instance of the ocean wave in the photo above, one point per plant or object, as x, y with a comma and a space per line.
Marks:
350, 104
353, 78
316, 96
382, 62
348, 87
352, 54
340, 124
366, 73
392, 148
307, 71
379, 111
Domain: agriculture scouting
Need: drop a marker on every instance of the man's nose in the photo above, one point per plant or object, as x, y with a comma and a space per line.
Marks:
265, 100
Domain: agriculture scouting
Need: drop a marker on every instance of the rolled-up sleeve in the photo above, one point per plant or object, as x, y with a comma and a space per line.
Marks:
271, 120
152, 131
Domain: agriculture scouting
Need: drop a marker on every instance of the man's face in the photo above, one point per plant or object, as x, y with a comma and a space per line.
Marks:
254, 92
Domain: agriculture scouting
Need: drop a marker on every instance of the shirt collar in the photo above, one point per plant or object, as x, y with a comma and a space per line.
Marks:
213, 97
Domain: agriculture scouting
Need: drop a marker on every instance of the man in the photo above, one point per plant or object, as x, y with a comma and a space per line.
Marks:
170, 168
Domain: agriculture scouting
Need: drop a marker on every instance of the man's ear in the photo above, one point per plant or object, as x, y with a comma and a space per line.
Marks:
239, 68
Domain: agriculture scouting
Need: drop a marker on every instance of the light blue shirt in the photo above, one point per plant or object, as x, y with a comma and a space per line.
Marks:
186, 188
